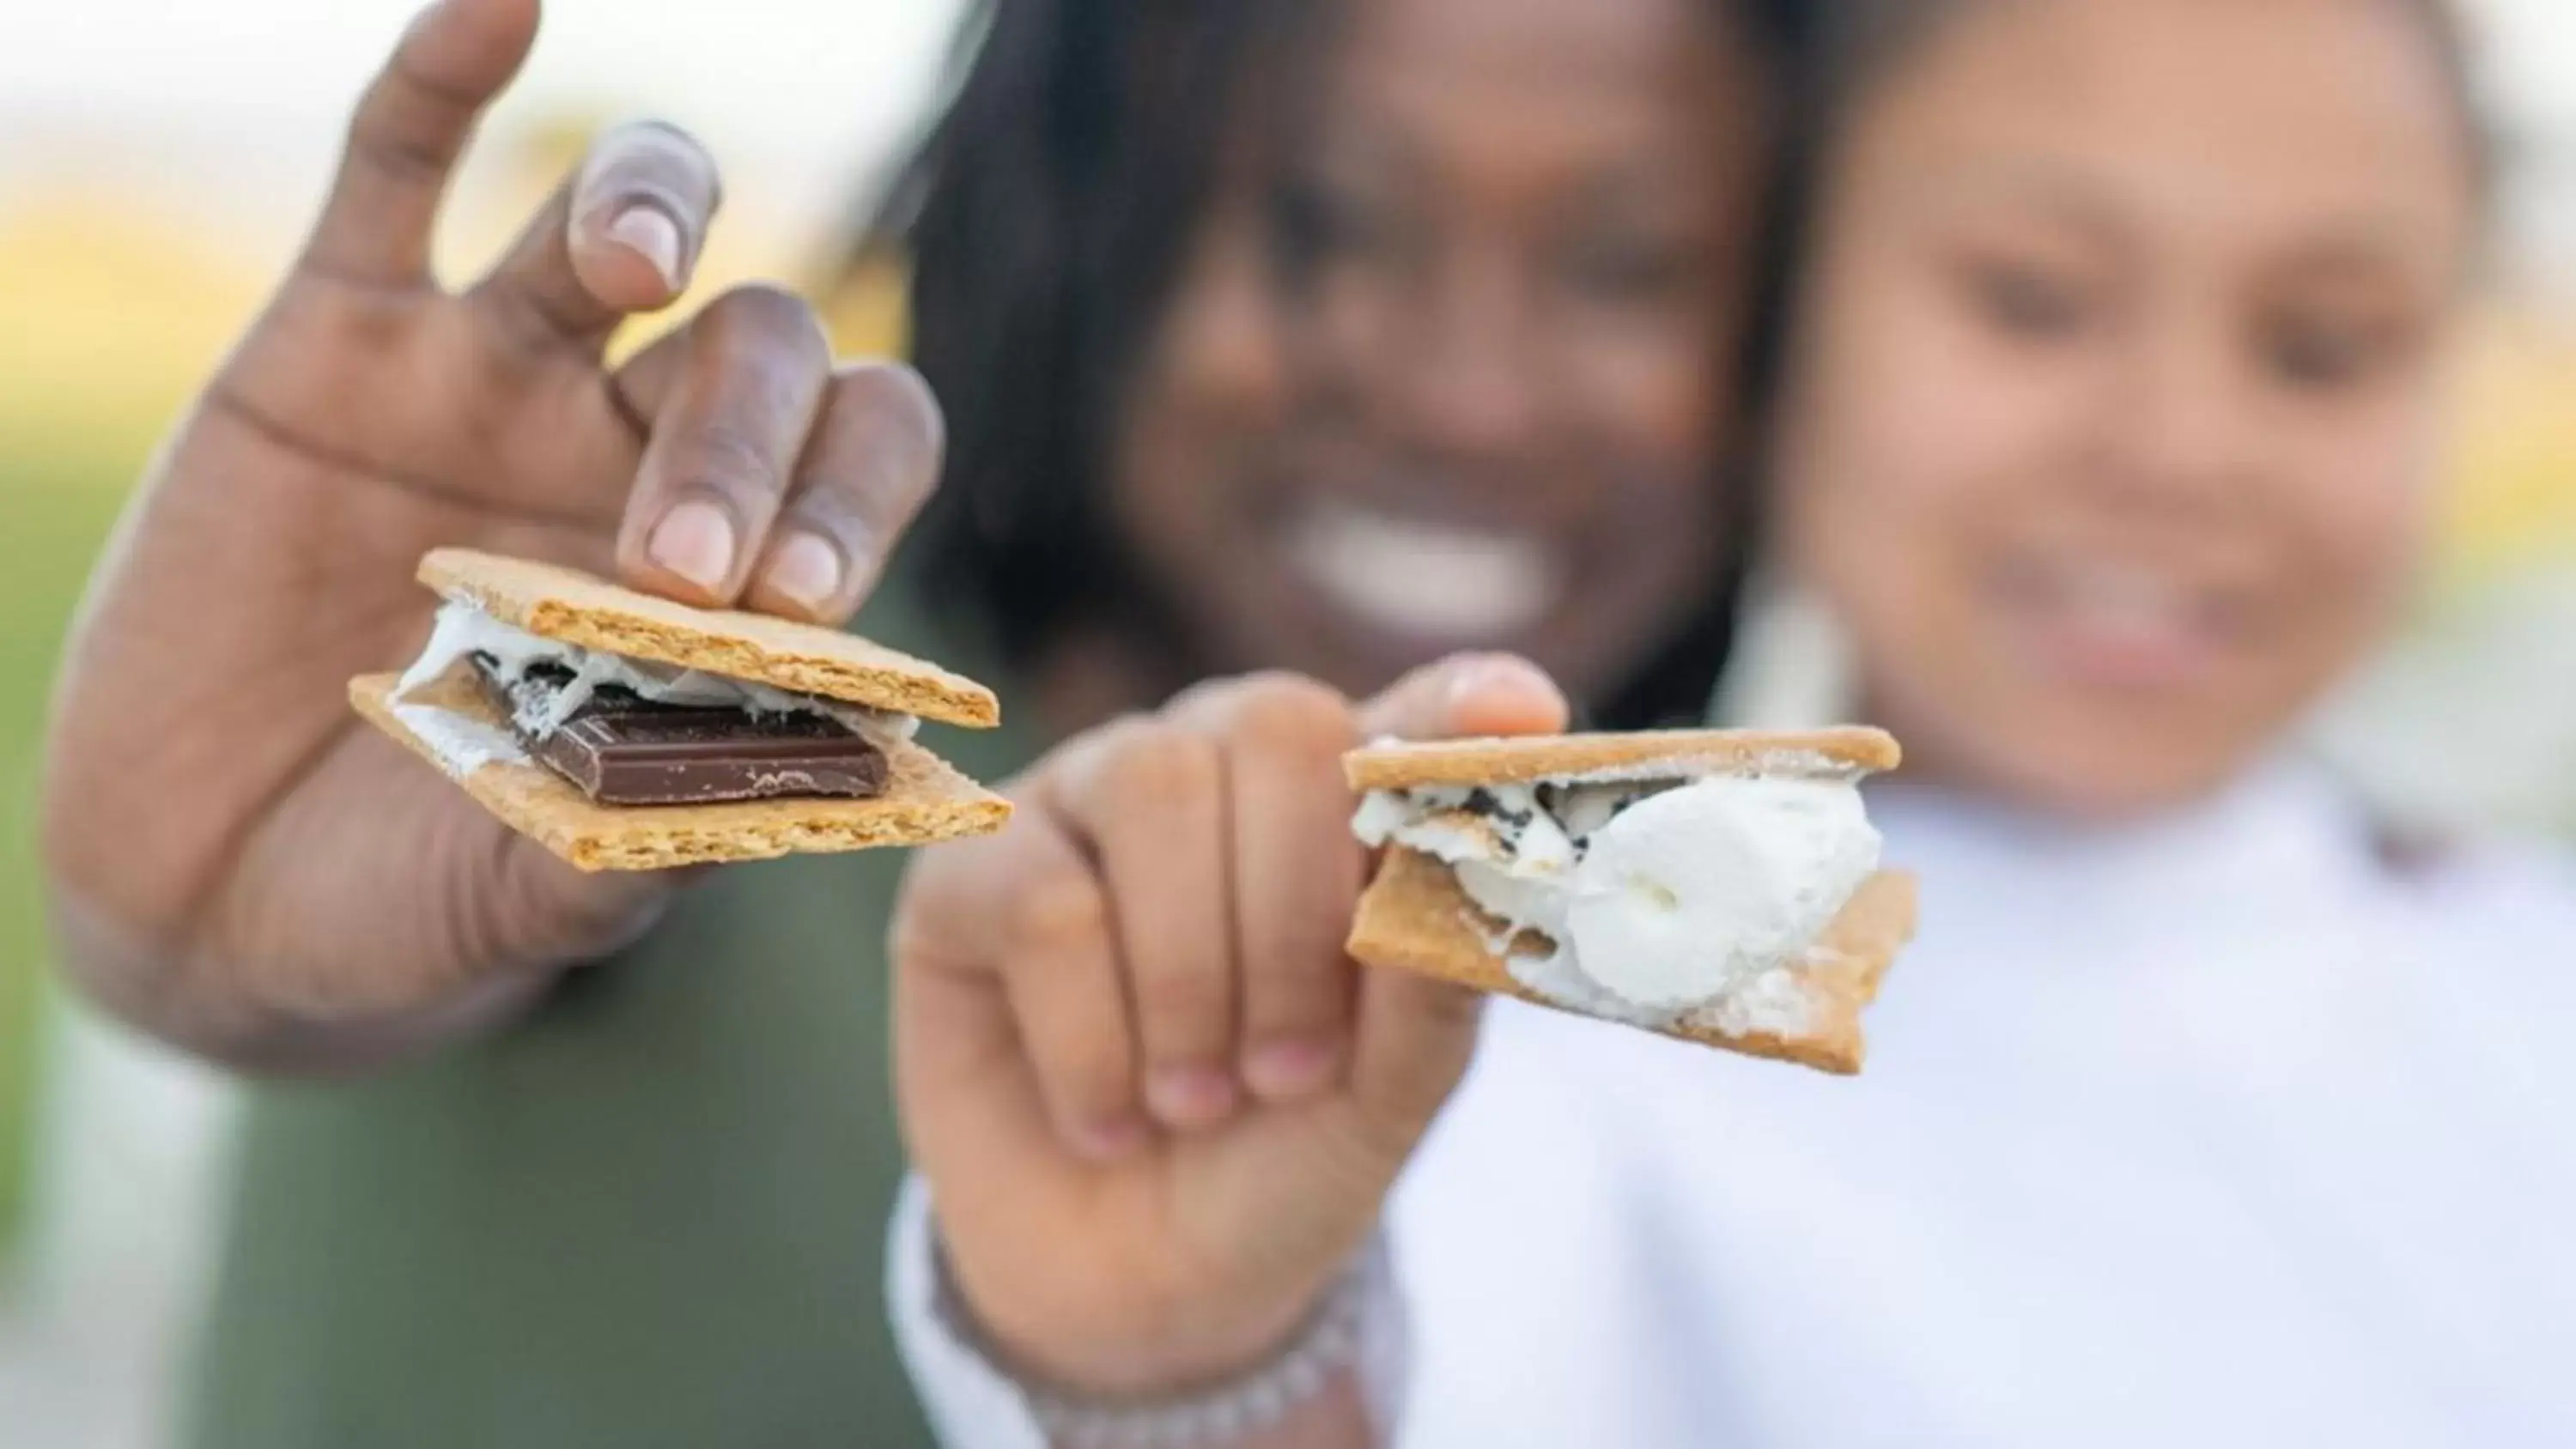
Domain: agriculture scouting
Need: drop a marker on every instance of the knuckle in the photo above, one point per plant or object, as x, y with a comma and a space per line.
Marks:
1292, 717
1299, 1002
1184, 995
823, 505
906, 384
1108, 742
1061, 911
1154, 766
724, 457
410, 76
398, 154
942, 901
1088, 1070
896, 391
891, 409
915, 929
1295, 953
772, 313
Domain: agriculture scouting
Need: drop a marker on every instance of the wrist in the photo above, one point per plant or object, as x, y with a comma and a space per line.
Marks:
1123, 1338
1348, 1343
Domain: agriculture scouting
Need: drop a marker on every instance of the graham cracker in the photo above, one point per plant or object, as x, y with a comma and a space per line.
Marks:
1414, 917
554, 602
1413, 764
924, 800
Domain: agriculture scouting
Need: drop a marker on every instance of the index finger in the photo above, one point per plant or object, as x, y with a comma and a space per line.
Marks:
409, 129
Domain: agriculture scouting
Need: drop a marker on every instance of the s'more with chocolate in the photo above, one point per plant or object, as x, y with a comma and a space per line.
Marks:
628, 732
1719, 886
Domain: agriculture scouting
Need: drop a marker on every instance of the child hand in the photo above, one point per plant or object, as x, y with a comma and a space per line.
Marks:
1157, 1107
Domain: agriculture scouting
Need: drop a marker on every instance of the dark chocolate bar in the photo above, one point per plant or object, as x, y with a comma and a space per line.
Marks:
622, 749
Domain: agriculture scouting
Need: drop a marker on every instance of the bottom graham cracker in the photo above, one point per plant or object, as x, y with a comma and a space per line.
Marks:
925, 800
1414, 917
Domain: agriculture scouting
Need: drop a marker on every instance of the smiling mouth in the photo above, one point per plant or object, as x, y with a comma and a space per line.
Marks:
2123, 623
1434, 581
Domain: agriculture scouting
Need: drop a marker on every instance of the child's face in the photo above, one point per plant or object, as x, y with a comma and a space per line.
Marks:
2111, 433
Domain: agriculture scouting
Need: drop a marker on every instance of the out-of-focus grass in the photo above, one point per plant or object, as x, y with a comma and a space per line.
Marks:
111, 316
54, 512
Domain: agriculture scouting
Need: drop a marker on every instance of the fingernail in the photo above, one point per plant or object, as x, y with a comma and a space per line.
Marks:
1110, 1140
1291, 1068
806, 568
694, 541
654, 237
1190, 1096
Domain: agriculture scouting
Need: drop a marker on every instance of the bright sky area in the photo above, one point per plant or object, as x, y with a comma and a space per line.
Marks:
800, 98
776, 75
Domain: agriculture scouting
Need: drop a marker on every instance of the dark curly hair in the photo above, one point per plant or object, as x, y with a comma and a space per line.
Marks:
1043, 216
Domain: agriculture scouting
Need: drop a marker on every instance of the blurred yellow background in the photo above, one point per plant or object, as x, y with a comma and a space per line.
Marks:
133, 248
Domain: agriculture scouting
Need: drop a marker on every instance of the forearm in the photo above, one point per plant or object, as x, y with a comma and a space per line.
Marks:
182, 996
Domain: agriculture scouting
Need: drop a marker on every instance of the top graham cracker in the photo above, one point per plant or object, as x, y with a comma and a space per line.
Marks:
554, 602
1650, 754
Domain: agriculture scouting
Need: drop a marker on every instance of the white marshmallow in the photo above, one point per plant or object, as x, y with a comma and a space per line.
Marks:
1692, 897
1699, 890
462, 629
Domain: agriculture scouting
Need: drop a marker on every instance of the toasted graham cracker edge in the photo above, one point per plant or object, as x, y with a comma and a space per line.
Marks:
1410, 765
925, 801
1414, 918
554, 602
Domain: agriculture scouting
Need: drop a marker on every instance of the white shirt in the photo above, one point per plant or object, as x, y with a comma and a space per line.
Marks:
2212, 1131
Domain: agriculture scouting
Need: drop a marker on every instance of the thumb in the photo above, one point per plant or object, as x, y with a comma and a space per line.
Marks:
1416, 1037
1468, 694
1417, 1034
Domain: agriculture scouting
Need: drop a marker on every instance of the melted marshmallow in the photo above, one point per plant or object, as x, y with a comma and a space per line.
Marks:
1657, 899
1700, 890
463, 630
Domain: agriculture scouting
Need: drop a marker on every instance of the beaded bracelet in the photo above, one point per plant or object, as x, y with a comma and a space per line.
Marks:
1358, 1327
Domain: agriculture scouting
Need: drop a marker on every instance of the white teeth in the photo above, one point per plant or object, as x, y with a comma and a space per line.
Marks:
2127, 598
1425, 580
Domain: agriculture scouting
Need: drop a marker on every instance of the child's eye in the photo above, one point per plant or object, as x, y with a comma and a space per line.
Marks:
2323, 355
2027, 302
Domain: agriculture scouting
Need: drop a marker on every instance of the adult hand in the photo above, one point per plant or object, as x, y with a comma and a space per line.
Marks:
237, 863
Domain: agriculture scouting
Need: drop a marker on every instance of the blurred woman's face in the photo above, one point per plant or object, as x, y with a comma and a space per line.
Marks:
1457, 368
2110, 434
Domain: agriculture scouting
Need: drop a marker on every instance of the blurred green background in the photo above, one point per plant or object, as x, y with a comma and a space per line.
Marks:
59, 510
105, 321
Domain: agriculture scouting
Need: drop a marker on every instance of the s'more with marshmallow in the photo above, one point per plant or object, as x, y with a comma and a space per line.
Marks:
1719, 886
629, 732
